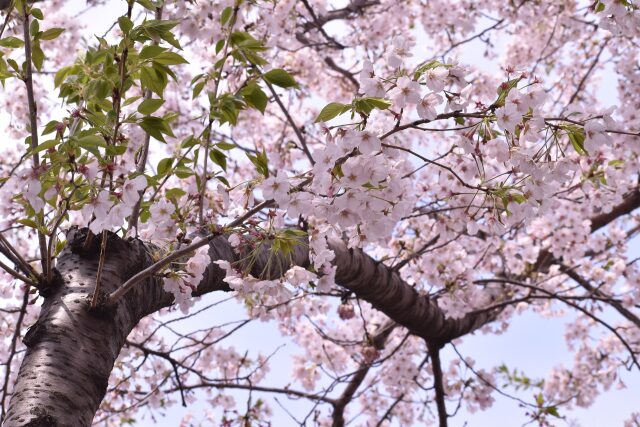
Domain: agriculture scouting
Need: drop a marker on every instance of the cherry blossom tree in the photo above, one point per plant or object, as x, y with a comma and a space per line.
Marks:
332, 170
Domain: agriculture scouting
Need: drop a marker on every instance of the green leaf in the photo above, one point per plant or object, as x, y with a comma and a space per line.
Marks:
115, 150
34, 28
379, 103
552, 410
151, 51
155, 126
11, 42
164, 165
100, 88
147, 4
171, 39
174, 193
152, 80
219, 46
149, 106
131, 100
504, 89
125, 24
197, 89
366, 105
28, 222
37, 13
37, 56
92, 141
61, 75
225, 15
255, 97
218, 158
223, 180
156, 26
225, 146
261, 162
183, 172
330, 111
51, 33
189, 141
280, 77
60, 245
46, 145
50, 127
576, 137
170, 58
428, 66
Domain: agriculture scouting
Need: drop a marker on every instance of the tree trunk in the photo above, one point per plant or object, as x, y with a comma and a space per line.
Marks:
71, 349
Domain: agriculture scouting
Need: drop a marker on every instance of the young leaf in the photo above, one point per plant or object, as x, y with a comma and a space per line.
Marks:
330, 111
151, 51
164, 165
280, 77
149, 106
225, 15
170, 58
92, 141
255, 96
37, 56
379, 103
218, 158
11, 42
51, 33
125, 24
46, 145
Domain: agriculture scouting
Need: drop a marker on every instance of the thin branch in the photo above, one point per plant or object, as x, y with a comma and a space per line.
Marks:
436, 367
588, 73
103, 248
594, 291
33, 123
144, 154
295, 127
476, 36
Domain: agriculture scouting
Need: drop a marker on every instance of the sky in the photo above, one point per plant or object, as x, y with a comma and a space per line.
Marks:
532, 344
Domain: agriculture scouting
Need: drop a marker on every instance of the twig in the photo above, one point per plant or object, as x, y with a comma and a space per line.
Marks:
586, 75
103, 247
295, 127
